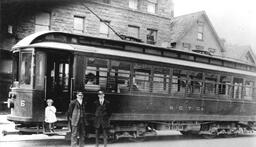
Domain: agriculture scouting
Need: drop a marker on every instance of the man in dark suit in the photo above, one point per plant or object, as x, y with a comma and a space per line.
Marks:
102, 115
77, 118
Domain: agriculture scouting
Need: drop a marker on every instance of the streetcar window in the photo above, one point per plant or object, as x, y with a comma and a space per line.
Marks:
141, 78
225, 86
195, 85
40, 69
179, 81
215, 61
25, 68
119, 78
161, 80
210, 83
96, 74
202, 59
171, 54
248, 89
152, 51
237, 88
187, 57
229, 64
241, 66
63, 75
15, 66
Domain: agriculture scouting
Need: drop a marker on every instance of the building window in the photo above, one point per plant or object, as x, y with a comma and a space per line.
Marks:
78, 24
104, 29
133, 4
186, 46
199, 47
151, 7
106, 1
42, 22
151, 36
133, 31
200, 30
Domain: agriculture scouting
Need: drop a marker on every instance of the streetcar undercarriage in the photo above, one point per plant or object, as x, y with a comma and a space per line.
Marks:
138, 130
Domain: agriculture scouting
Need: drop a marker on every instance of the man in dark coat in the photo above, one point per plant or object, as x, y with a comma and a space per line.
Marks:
77, 118
102, 115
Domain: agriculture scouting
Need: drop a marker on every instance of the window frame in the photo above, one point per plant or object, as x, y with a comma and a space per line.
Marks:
102, 23
31, 84
154, 4
45, 24
200, 31
79, 30
134, 27
186, 46
154, 32
133, 4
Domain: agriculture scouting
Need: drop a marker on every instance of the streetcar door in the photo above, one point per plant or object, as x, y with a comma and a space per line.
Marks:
59, 69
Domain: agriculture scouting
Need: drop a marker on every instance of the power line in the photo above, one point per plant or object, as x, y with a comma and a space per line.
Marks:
105, 22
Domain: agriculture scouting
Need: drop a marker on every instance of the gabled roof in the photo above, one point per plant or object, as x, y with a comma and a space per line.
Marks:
239, 52
181, 25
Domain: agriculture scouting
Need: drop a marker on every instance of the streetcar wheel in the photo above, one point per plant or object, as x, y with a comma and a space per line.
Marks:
209, 136
185, 133
138, 139
4, 132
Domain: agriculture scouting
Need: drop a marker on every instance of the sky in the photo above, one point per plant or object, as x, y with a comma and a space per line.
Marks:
233, 20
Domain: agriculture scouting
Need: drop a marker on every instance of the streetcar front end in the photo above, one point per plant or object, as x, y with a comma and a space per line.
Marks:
26, 99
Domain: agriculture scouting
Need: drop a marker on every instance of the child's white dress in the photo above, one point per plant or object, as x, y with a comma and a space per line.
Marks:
50, 116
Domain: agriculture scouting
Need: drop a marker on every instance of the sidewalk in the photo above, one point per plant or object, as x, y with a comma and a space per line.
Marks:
13, 134
6, 125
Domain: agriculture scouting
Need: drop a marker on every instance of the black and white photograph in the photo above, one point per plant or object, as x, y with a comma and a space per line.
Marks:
127, 73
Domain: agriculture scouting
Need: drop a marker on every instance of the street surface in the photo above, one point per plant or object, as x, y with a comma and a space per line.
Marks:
13, 139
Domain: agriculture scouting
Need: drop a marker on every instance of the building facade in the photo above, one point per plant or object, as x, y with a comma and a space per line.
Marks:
194, 32
145, 20
242, 53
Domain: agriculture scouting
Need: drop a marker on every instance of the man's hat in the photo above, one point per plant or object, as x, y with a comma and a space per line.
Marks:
100, 92
79, 92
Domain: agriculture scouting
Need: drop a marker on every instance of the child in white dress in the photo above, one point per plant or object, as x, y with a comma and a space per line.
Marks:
50, 116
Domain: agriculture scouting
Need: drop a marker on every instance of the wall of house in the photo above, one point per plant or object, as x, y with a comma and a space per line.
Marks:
117, 12
209, 40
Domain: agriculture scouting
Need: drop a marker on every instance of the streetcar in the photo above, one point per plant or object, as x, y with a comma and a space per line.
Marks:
150, 88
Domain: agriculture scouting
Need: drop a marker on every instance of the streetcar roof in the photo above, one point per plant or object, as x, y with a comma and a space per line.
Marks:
28, 42
29, 39
153, 58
